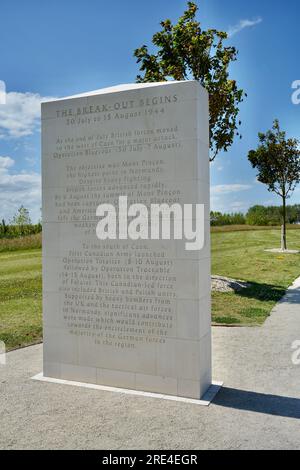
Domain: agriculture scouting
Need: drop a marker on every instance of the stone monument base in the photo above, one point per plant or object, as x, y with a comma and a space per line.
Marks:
205, 401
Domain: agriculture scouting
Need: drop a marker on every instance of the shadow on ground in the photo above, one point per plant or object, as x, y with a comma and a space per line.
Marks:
258, 402
261, 291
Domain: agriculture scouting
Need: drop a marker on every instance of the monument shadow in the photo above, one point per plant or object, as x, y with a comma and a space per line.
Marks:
275, 405
272, 292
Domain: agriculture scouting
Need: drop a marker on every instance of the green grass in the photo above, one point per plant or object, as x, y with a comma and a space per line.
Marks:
248, 228
20, 297
235, 253
241, 255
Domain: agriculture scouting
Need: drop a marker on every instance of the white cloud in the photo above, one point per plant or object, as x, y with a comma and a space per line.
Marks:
239, 206
219, 205
270, 202
18, 188
242, 24
21, 114
2, 92
5, 162
222, 189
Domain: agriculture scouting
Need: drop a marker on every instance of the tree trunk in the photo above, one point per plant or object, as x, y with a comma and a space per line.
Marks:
283, 229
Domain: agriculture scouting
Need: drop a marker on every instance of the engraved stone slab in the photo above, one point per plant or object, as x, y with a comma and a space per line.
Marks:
123, 313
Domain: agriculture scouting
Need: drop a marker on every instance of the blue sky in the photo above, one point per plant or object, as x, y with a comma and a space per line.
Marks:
58, 48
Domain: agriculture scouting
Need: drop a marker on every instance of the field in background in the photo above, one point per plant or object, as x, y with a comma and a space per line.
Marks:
237, 252
20, 297
248, 228
22, 243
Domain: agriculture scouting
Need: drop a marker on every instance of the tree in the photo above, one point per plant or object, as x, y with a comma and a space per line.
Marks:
187, 51
21, 218
4, 228
277, 160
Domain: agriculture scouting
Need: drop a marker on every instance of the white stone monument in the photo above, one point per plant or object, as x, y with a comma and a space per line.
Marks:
124, 313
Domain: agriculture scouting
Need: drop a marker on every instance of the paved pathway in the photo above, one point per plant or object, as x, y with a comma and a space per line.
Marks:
259, 406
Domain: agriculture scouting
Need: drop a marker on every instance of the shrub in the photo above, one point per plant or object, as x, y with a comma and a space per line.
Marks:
16, 231
218, 219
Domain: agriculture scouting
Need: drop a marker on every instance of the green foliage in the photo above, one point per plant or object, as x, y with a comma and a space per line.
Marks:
272, 215
20, 225
277, 160
3, 227
262, 216
16, 231
22, 217
186, 51
217, 219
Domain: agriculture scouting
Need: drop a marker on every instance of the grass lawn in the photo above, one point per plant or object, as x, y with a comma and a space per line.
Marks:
20, 297
235, 253
241, 255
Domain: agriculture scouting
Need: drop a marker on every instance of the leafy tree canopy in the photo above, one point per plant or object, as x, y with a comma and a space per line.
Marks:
186, 51
277, 160
21, 217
